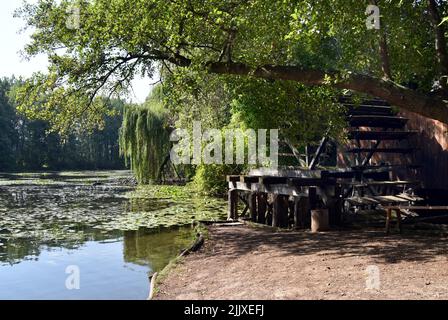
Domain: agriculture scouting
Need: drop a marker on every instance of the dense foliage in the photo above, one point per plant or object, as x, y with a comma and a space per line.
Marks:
231, 64
30, 145
313, 42
145, 138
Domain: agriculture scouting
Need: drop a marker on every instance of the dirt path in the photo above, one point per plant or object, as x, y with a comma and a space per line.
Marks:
250, 263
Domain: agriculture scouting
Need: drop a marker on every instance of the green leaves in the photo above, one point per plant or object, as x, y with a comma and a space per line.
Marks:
144, 138
119, 39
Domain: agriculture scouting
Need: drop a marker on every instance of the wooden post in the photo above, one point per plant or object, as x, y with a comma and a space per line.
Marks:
399, 220
284, 212
312, 194
297, 214
233, 204
269, 214
291, 205
262, 206
276, 207
253, 206
320, 220
304, 212
388, 217
280, 211
336, 210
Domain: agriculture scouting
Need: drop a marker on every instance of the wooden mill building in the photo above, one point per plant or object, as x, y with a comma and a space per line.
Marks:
392, 159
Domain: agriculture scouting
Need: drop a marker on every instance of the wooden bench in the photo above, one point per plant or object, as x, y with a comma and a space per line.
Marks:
399, 211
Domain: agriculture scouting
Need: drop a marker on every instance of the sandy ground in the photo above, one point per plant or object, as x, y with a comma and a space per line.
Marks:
242, 262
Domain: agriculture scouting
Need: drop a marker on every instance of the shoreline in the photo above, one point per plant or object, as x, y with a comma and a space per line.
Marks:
251, 262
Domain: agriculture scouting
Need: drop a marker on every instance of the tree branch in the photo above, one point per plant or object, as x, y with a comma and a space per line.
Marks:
393, 93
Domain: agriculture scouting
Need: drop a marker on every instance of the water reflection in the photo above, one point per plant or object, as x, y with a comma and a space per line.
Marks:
145, 247
49, 224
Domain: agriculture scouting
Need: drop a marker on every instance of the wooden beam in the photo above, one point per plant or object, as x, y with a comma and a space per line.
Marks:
249, 179
272, 180
380, 135
253, 206
284, 214
381, 150
298, 221
377, 121
233, 204
309, 182
371, 153
274, 188
233, 178
276, 207
262, 206
312, 194
319, 151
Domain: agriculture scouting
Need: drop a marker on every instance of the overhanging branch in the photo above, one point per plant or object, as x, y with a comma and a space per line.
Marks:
407, 99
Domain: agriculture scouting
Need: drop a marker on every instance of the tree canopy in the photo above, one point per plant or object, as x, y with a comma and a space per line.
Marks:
30, 145
312, 42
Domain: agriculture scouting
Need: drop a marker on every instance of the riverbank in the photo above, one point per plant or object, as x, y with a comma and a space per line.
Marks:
243, 262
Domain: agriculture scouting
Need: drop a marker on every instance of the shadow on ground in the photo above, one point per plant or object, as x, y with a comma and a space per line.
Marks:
374, 243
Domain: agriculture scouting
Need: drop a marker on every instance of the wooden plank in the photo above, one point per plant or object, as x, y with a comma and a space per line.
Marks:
275, 188
308, 182
370, 154
385, 167
319, 151
380, 135
249, 179
285, 172
233, 178
405, 207
368, 110
387, 200
361, 201
377, 121
409, 197
356, 174
367, 184
381, 150
266, 180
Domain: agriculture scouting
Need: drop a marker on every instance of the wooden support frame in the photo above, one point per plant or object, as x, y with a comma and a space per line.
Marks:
366, 160
319, 151
262, 199
389, 218
232, 204
399, 212
252, 202
280, 211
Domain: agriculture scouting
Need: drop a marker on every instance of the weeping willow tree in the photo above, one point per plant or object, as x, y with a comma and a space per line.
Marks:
145, 138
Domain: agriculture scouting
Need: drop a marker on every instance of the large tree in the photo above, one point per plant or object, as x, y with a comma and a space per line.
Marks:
312, 42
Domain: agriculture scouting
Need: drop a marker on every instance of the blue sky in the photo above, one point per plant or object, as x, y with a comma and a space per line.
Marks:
13, 41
